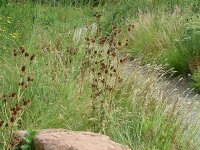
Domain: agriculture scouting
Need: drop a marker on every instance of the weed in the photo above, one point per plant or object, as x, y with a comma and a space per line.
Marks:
15, 103
28, 140
103, 63
196, 80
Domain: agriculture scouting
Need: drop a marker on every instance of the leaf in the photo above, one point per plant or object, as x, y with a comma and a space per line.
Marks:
92, 119
27, 140
25, 147
32, 133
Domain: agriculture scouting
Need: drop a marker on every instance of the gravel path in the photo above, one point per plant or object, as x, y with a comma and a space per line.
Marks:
176, 85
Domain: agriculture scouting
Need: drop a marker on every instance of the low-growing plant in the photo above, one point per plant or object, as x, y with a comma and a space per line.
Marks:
28, 139
188, 46
196, 80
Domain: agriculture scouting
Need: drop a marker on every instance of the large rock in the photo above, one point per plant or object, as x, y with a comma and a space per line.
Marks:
59, 139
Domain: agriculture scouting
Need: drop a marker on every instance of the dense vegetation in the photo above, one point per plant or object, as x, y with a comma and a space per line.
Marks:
62, 66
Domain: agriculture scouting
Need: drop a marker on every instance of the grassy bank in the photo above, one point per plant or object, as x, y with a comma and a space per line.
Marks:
62, 67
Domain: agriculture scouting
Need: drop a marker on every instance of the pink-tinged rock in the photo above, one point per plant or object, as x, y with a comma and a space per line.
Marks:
59, 139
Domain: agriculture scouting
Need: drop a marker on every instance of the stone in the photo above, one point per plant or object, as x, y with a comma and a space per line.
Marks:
60, 139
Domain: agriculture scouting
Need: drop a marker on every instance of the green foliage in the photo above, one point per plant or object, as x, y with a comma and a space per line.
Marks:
15, 28
196, 80
7, 37
171, 38
3, 2
58, 2
14, 101
187, 48
72, 70
189, 43
28, 140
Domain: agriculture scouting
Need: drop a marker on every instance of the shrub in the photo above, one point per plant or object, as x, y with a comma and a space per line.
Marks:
189, 45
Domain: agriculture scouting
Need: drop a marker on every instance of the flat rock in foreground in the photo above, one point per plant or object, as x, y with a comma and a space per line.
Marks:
59, 139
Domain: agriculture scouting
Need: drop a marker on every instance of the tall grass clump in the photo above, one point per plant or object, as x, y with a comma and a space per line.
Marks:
102, 62
149, 116
166, 38
130, 9
16, 80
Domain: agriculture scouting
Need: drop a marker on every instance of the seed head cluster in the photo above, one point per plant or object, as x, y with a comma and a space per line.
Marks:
103, 61
14, 103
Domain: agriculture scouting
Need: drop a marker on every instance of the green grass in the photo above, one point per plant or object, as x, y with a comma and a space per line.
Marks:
73, 84
167, 38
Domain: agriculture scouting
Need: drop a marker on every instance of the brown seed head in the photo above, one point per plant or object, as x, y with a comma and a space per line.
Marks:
93, 40
114, 54
106, 71
23, 68
87, 39
15, 54
15, 112
17, 108
22, 83
13, 94
12, 119
32, 57
28, 79
1, 123
25, 103
22, 50
26, 54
